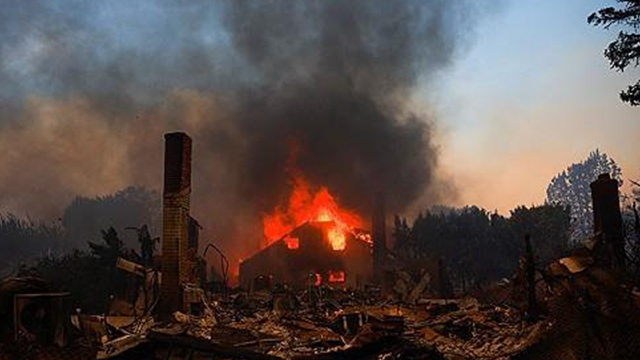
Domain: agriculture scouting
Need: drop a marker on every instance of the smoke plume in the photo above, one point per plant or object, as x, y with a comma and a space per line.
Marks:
90, 87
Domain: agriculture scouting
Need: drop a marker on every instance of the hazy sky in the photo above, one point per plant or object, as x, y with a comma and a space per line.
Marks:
531, 95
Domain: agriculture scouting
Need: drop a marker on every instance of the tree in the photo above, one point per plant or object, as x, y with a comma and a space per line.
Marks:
90, 276
132, 206
479, 246
23, 239
404, 241
572, 188
548, 225
631, 218
625, 50
458, 236
77, 272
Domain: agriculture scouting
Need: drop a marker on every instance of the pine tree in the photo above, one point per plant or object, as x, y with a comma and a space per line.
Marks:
625, 50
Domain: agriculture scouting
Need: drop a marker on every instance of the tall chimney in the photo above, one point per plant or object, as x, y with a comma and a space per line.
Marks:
379, 229
607, 220
175, 220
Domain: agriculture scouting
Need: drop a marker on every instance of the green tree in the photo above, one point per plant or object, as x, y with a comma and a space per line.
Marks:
625, 50
572, 188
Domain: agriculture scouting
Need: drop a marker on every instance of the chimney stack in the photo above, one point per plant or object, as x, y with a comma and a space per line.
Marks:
607, 219
175, 220
379, 230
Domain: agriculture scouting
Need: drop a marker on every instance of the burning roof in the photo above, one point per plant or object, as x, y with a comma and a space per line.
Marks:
309, 252
304, 205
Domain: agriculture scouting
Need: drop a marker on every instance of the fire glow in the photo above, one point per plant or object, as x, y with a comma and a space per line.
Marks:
305, 205
292, 242
337, 276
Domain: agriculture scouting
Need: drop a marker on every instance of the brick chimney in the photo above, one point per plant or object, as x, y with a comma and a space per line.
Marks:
175, 220
379, 232
607, 219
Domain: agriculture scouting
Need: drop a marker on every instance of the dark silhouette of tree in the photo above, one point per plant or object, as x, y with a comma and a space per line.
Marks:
133, 206
549, 227
90, 276
572, 188
479, 246
404, 240
625, 50
23, 239
77, 272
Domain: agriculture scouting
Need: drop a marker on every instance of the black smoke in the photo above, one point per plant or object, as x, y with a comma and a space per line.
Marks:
336, 77
90, 87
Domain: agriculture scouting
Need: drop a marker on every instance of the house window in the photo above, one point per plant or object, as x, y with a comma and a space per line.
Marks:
292, 242
337, 276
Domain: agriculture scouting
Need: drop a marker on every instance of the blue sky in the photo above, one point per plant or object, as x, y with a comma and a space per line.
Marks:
531, 95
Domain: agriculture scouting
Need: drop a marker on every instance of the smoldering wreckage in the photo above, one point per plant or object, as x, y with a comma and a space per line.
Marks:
317, 294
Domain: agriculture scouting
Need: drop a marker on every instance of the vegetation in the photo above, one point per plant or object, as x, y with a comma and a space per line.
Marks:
479, 246
85, 217
572, 188
22, 239
90, 276
625, 50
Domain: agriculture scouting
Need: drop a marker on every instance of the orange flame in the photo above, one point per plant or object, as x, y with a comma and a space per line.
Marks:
292, 242
303, 206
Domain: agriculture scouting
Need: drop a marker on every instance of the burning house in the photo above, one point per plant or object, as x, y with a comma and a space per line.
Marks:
307, 256
313, 241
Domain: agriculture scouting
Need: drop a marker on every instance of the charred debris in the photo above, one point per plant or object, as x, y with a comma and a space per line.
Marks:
300, 299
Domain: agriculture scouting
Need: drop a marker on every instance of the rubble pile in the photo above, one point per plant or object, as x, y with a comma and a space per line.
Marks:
339, 324
586, 312
481, 332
